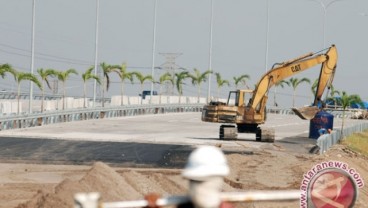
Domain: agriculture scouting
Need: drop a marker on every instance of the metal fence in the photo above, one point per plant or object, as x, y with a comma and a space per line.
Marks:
50, 117
39, 119
326, 141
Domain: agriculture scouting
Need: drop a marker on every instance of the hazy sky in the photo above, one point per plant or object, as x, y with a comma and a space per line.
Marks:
65, 38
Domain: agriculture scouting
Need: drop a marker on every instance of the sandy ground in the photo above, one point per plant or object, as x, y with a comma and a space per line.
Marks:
31, 185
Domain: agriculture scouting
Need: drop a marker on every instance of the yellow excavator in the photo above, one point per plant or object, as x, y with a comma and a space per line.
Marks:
245, 109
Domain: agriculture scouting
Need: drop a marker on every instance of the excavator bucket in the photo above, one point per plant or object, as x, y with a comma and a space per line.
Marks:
306, 113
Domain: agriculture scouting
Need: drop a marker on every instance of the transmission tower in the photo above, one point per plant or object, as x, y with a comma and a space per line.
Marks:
170, 67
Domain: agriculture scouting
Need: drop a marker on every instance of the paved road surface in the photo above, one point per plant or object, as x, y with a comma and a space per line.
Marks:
152, 140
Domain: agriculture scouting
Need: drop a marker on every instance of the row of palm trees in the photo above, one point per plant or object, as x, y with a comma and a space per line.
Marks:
295, 82
177, 79
43, 74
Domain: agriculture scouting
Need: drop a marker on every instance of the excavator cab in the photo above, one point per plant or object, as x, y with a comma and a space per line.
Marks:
240, 98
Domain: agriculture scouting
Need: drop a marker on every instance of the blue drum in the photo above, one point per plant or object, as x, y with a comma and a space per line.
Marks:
320, 124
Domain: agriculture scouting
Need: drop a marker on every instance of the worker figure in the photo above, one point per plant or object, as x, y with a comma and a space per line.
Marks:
205, 170
322, 131
329, 131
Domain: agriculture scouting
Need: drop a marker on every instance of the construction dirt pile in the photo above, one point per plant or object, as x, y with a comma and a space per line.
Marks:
265, 170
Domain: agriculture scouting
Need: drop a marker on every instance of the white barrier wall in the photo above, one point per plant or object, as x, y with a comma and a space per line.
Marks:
58, 104
116, 100
155, 99
10, 106
36, 105
146, 100
50, 105
14, 106
175, 99
190, 99
69, 102
202, 100
4, 107
78, 103
164, 99
136, 100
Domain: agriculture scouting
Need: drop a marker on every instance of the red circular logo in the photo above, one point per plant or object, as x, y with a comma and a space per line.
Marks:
332, 188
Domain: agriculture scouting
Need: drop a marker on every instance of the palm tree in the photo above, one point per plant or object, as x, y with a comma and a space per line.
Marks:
164, 78
332, 95
242, 79
141, 78
85, 77
347, 101
19, 77
278, 84
107, 69
6, 68
44, 74
220, 83
180, 77
63, 76
198, 78
314, 87
124, 74
295, 82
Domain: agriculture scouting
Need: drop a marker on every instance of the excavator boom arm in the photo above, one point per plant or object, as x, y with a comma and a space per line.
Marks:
294, 67
327, 73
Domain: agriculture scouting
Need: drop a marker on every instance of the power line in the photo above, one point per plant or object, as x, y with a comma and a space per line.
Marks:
66, 60
47, 55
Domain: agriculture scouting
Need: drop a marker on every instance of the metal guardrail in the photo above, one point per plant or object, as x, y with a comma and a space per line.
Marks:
39, 119
51, 117
326, 141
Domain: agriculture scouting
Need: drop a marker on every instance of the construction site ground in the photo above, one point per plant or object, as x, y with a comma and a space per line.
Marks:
126, 158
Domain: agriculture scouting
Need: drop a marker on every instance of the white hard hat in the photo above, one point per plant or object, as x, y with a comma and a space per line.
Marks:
204, 162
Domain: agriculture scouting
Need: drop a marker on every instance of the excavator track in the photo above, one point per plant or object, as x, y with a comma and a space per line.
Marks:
228, 132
